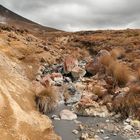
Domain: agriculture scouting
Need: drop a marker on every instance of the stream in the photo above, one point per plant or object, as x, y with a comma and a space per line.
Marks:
64, 128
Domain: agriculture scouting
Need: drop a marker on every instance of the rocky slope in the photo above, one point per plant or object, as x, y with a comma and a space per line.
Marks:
19, 118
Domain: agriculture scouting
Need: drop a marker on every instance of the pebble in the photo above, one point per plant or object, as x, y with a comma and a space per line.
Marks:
84, 136
75, 131
55, 117
58, 119
107, 121
97, 137
81, 127
114, 134
77, 122
105, 138
128, 120
102, 131
128, 127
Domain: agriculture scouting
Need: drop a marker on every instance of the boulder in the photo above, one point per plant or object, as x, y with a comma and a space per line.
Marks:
87, 107
67, 115
78, 72
69, 63
93, 67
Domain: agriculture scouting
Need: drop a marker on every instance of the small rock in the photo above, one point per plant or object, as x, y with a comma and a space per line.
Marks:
97, 137
81, 127
73, 99
114, 134
78, 72
47, 81
128, 127
77, 122
105, 138
103, 53
72, 90
67, 115
38, 77
107, 121
54, 116
75, 131
46, 48
67, 80
84, 136
102, 131
58, 119
128, 120
82, 63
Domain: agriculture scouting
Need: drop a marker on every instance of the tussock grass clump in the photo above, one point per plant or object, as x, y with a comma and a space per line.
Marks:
138, 73
46, 100
106, 60
128, 104
132, 101
99, 91
121, 73
117, 53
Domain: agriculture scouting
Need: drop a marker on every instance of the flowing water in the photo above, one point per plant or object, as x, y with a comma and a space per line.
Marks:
64, 128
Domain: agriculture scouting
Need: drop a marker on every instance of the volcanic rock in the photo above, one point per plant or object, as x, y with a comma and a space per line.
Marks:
67, 115
78, 72
69, 63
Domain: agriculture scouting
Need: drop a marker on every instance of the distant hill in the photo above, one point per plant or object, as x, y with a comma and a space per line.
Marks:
10, 18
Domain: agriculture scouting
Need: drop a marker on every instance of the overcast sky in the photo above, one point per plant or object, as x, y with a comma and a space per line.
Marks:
74, 15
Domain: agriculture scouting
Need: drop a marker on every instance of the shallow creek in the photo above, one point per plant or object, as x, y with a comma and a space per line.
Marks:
64, 128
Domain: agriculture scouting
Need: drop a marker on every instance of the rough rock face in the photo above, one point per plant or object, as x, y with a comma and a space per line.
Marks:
69, 63
18, 117
87, 107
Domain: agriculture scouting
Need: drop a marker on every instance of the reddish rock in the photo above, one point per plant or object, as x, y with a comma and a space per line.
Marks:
46, 81
78, 72
93, 67
69, 63
86, 101
87, 107
53, 76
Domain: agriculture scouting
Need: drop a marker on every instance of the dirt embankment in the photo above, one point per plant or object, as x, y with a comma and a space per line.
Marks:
19, 119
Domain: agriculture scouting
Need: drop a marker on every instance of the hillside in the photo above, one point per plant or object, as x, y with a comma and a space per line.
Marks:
10, 18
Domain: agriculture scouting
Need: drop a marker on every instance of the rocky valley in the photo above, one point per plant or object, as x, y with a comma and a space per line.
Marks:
86, 82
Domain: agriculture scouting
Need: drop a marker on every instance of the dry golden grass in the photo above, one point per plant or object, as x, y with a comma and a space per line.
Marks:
129, 103
117, 53
121, 73
46, 100
106, 60
138, 73
99, 91
132, 100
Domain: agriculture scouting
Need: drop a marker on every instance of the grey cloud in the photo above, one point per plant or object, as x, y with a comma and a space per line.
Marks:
79, 14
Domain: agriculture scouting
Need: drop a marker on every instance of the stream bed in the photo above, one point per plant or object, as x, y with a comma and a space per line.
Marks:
64, 128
